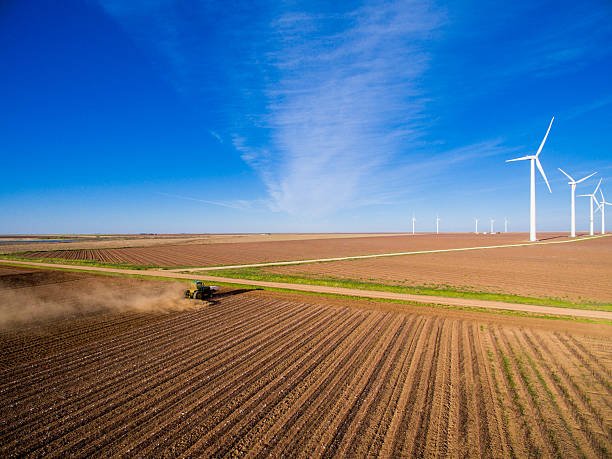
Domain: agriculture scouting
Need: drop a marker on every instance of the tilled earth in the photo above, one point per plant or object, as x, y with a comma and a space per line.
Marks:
262, 252
257, 373
579, 271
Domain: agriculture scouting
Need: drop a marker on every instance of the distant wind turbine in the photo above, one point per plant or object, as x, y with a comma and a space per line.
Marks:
437, 224
505, 224
535, 161
476, 220
492, 221
413, 221
572, 183
602, 207
593, 201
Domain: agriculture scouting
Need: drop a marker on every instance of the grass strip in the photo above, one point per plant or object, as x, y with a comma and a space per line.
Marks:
259, 274
246, 285
99, 264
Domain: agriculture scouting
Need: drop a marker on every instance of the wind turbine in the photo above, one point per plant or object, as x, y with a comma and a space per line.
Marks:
602, 207
492, 221
505, 224
593, 200
535, 161
572, 183
437, 224
476, 220
413, 221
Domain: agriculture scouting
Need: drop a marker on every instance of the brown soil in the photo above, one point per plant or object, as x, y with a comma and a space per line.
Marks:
578, 271
12, 244
210, 254
258, 373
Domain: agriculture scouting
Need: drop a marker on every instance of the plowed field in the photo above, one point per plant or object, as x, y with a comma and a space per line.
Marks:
262, 252
260, 373
578, 271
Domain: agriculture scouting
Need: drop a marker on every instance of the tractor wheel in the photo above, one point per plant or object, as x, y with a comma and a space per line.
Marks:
197, 295
187, 294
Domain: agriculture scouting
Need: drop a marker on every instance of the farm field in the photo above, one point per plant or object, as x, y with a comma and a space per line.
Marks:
13, 244
578, 271
268, 373
173, 255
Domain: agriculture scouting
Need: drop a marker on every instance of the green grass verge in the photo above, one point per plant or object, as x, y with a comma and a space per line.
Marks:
260, 275
246, 285
62, 261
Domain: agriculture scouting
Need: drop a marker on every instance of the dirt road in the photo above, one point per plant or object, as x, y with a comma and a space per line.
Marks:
458, 302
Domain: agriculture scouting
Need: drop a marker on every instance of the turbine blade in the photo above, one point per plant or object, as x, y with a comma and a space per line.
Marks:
597, 187
583, 195
522, 158
545, 137
566, 174
588, 176
541, 169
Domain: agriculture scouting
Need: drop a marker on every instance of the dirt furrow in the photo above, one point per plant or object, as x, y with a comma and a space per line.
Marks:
369, 418
333, 388
528, 438
489, 442
133, 382
577, 401
247, 430
262, 409
414, 407
533, 404
422, 422
115, 351
497, 426
332, 434
565, 426
398, 427
18, 348
590, 363
187, 393
299, 402
436, 444
207, 413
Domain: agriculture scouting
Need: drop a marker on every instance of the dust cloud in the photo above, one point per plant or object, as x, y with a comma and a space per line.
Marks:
26, 305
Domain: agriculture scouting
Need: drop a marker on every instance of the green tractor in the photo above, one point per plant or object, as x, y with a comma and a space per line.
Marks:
201, 291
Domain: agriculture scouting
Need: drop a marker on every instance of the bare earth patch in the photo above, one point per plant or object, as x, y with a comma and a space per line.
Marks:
578, 271
281, 374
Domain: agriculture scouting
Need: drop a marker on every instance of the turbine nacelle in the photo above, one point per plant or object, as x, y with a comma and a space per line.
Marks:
575, 182
535, 162
536, 156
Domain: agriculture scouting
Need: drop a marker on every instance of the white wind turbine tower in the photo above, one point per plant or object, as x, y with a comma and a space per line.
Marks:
602, 207
492, 221
593, 201
437, 224
505, 224
535, 162
413, 221
572, 183
476, 220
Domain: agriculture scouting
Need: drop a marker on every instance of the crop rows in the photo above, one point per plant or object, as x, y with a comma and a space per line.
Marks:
261, 252
257, 375
575, 271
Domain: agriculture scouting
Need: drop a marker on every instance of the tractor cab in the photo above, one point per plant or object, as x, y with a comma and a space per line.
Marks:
199, 291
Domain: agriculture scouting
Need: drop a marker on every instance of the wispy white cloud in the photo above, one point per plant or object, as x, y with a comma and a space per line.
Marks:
342, 101
216, 136
330, 109
237, 204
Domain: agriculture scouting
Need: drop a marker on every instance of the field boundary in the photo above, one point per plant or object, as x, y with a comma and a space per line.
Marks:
426, 299
383, 255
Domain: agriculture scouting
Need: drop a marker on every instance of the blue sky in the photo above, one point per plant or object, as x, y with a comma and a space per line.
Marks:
163, 116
